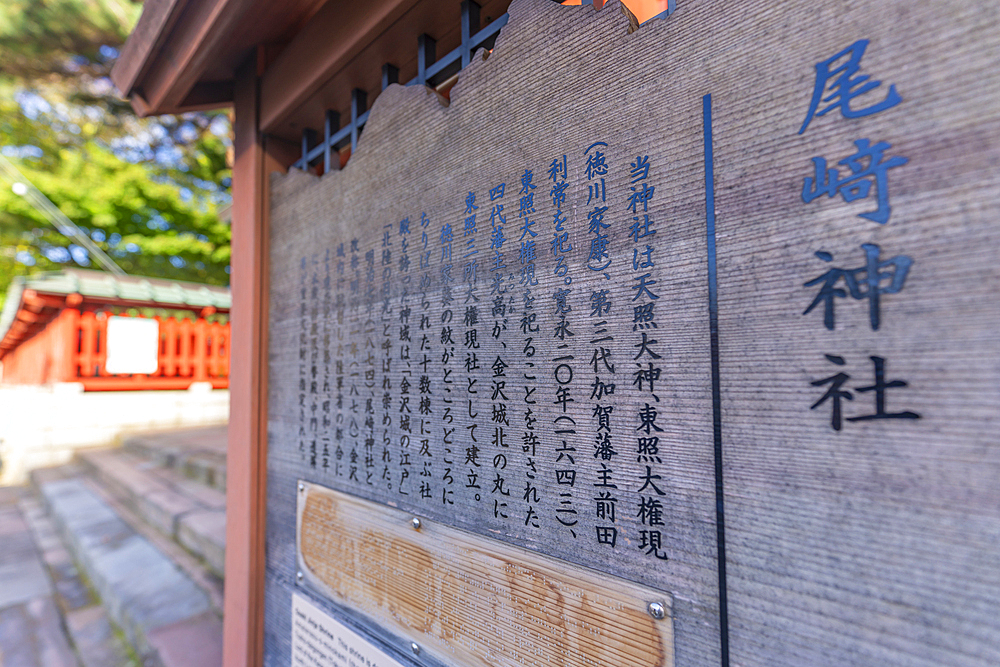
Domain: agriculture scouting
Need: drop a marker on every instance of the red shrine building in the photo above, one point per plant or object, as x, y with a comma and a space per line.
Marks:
114, 333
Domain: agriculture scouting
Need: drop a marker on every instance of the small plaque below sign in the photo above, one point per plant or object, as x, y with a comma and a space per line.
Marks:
319, 640
470, 600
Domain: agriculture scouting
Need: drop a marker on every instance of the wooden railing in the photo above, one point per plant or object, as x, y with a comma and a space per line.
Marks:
191, 350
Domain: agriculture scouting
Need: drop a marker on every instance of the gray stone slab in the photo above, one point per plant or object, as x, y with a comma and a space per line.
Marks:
163, 509
140, 586
204, 534
209, 498
22, 575
196, 642
31, 636
197, 453
122, 474
95, 640
22, 581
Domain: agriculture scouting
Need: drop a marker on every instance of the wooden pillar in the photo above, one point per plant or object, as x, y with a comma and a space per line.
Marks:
69, 320
247, 446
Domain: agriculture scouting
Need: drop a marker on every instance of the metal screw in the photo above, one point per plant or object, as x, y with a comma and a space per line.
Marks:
415, 648
415, 522
656, 610
299, 576
302, 487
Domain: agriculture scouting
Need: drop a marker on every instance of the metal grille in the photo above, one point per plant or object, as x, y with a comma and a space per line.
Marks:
430, 70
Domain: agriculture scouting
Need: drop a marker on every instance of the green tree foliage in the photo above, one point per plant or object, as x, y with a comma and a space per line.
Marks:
147, 191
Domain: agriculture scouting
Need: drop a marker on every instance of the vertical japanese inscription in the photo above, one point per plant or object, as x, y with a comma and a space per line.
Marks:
838, 83
500, 412
647, 359
407, 455
423, 350
529, 378
326, 395
600, 345
340, 329
564, 423
385, 336
314, 399
449, 382
470, 329
303, 349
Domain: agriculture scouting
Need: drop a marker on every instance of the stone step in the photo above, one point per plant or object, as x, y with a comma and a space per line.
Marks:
199, 454
165, 615
97, 641
191, 514
31, 632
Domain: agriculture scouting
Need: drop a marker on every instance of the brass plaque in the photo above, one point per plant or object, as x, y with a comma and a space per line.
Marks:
470, 600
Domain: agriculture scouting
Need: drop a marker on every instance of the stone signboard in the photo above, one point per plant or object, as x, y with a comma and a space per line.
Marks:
705, 306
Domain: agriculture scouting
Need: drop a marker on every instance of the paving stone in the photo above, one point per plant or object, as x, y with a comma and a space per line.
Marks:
197, 453
95, 640
125, 479
184, 510
164, 509
31, 635
204, 533
23, 581
22, 574
206, 497
140, 587
195, 642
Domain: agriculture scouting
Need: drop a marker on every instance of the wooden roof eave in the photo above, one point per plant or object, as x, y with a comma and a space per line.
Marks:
161, 66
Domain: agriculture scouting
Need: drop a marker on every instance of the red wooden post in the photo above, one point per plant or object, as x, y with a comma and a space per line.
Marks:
224, 351
246, 489
186, 333
161, 350
200, 350
88, 336
169, 360
101, 344
70, 335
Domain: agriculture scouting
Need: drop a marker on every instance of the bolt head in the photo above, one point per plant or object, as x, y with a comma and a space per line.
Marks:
657, 610
299, 576
302, 487
416, 523
415, 648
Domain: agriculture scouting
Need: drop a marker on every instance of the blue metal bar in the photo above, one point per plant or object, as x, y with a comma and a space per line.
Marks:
315, 153
449, 59
308, 137
427, 67
426, 48
342, 134
390, 75
470, 23
492, 29
476, 40
329, 127
359, 102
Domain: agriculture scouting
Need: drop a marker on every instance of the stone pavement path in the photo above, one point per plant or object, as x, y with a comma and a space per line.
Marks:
31, 632
48, 618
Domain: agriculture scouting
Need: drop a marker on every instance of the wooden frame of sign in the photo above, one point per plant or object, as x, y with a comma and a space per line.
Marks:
695, 305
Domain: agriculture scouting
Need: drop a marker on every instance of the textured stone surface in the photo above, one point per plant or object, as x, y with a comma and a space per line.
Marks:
199, 453
141, 588
193, 642
31, 633
95, 640
180, 508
